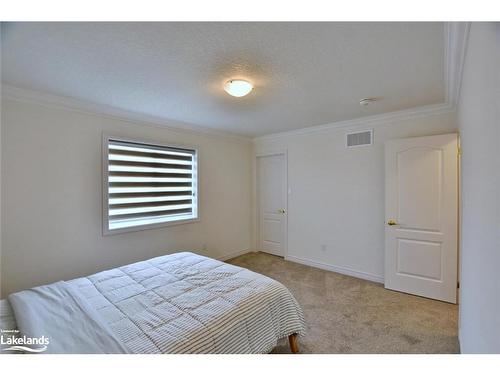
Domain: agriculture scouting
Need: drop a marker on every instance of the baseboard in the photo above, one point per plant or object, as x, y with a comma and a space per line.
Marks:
234, 254
339, 269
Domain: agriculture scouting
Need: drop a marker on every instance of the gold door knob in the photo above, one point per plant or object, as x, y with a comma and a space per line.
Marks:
281, 211
392, 222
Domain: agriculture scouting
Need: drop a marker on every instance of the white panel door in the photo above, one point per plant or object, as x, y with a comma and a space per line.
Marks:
272, 203
421, 198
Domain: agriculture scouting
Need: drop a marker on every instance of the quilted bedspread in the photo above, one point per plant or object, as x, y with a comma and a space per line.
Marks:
187, 303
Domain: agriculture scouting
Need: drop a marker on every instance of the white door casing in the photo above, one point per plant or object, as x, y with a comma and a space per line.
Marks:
272, 203
421, 198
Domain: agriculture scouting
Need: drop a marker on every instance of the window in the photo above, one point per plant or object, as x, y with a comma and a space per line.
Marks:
147, 185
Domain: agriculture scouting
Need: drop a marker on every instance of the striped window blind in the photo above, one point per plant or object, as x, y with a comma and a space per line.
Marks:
149, 185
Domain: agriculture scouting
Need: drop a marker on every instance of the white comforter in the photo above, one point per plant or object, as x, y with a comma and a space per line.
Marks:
62, 315
179, 303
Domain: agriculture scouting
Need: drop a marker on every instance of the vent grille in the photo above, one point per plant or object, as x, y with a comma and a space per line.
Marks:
363, 138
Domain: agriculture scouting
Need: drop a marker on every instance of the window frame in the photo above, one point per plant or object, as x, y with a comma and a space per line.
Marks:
105, 188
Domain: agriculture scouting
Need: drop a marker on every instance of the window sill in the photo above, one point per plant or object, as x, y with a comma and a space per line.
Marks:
109, 232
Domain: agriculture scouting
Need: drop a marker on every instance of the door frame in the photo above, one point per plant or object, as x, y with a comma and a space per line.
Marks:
258, 237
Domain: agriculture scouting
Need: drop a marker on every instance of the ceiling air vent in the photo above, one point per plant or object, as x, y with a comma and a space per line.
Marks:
361, 138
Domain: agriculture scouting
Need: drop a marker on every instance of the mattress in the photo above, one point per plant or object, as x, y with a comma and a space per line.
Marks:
187, 303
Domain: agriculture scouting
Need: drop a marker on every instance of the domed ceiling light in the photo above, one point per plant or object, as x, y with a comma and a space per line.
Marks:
238, 87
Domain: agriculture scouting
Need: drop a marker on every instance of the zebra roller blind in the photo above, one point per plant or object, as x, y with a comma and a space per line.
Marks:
149, 185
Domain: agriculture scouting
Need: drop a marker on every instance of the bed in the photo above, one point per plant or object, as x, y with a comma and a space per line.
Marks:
178, 303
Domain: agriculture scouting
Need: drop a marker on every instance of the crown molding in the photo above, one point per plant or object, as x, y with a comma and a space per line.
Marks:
455, 37
15, 93
367, 121
455, 47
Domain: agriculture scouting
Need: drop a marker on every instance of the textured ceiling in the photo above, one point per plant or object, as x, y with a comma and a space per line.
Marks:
305, 74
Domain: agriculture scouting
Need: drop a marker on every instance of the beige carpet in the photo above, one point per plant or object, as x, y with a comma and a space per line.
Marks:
349, 315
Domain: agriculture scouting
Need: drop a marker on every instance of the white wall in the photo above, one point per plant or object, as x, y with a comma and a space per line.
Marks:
51, 196
337, 194
479, 124
0, 163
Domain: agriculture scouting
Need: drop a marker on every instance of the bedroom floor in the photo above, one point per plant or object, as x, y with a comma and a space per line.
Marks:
349, 315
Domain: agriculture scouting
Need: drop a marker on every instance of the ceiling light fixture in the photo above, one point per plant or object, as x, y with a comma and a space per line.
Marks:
238, 87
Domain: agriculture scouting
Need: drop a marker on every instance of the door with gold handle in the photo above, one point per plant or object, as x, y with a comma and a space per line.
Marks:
421, 206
